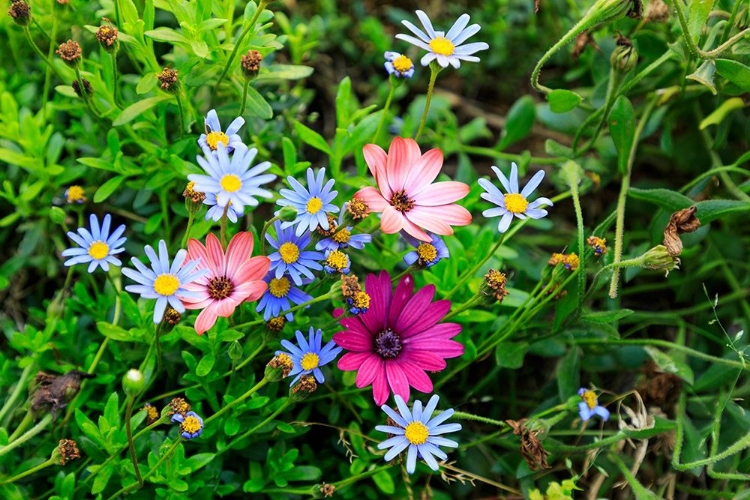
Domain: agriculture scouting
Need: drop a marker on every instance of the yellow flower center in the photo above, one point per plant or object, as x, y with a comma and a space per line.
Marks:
289, 252
285, 360
337, 260
98, 250
309, 361
190, 424
361, 300
427, 252
515, 203
279, 287
314, 205
402, 64
166, 284
590, 398
442, 46
75, 194
416, 433
230, 183
342, 237
214, 138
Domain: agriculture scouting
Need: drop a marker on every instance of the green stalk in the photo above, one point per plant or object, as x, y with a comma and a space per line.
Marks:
156, 466
20, 386
244, 435
28, 435
181, 112
191, 218
131, 445
52, 461
391, 93
244, 96
223, 233
435, 68
250, 25
115, 76
40, 53
266, 227
239, 400
47, 73
470, 416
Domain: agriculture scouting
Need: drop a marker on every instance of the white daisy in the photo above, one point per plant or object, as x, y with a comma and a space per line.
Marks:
513, 203
445, 47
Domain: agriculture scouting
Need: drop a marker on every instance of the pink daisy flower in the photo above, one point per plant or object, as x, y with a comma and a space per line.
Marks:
233, 278
398, 338
406, 195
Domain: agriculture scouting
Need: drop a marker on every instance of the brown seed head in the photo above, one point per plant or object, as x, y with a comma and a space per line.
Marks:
328, 490
283, 361
251, 63
304, 388
331, 227
152, 413
168, 80
70, 52
68, 451
683, 221
358, 209
531, 447
494, 285
179, 405
20, 11
171, 316
107, 36
86, 87
349, 286
276, 324
657, 12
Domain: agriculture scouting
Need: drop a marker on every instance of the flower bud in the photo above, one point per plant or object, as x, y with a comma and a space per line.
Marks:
169, 82
302, 389
20, 11
624, 57
658, 259
57, 215
193, 199
107, 36
251, 64
70, 52
279, 367
235, 351
86, 87
288, 214
133, 382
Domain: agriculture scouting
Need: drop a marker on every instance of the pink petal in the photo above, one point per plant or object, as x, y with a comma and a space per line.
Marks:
423, 359
239, 251
380, 389
353, 341
354, 324
424, 171
417, 378
392, 221
414, 310
374, 320
453, 214
253, 269
371, 369
215, 254
401, 157
353, 360
441, 193
226, 307
197, 251
372, 198
377, 160
415, 231
427, 319
397, 380
198, 302
249, 291
401, 296
443, 348
429, 219
205, 320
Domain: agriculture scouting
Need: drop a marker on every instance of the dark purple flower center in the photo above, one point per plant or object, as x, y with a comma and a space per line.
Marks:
388, 344
401, 201
220, 288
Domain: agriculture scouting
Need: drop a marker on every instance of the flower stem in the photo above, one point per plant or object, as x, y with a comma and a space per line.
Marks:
571, 171
471, 416
191, 218
28, 435
129, 430
181, 112
43, 465
40, 53
266, 227
471, 303
467, 276
115, 76
244, 435
20, 386
153, 469
435, 68
387, 106
576, 30
244, 96
250, 25
223, 233
239, 400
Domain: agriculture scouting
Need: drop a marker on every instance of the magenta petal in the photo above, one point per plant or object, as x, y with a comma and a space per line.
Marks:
354, 341
428, 318
370, 371
414, 310
441, 331
397, 380
424, 359
417, 378
442, 348
380, 299
404, 292
380, 390
352, 360
337, 312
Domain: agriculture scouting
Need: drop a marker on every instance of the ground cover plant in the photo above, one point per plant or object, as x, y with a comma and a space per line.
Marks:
362, 250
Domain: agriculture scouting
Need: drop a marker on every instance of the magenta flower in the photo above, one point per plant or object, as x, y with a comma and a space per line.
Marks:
398, 338
406, 195
233, 277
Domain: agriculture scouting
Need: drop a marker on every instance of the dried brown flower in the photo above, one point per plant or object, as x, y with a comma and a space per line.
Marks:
70, 52
303, 388
331, 227
349, 286
683, 221
582, 41
152, 413
276, 324
251, 63
168, 80
68, 451
20, 11
171, 316
52, 393
179, 405
86, 87
327, 490
283, 361
531, 448
358, 209
599, 245
657, 12
107, 36
494, 285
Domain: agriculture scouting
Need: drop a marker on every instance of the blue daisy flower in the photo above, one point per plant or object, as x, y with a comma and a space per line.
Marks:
590, 406
275, 301
214, 136
419, 432
290, 255
398, 65
191, 424
343, 238
337, 262
426, 254
311, 205
163, 282
310, 355
216, 212
232, 180
98, 246
513, 203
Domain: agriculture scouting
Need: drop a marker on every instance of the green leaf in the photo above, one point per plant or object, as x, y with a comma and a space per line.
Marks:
735, 72
511, 354
698, 16
198, 461
343, 100
602, 317
709, 210
102, 478
111, 410
285, 72
568, 375
164, 34
312, 138
519, 121
672, 201
562, 101
622, 128
147, 83
135, 110
109, 187
257, 104
670, 365
718, 115
20, 159
113, 332
384, 482
205, 364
